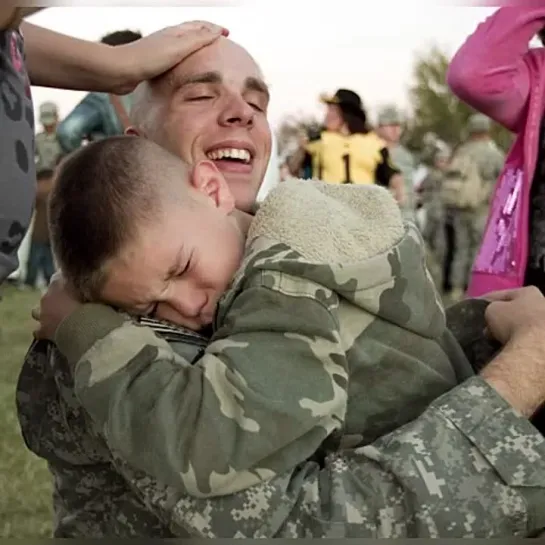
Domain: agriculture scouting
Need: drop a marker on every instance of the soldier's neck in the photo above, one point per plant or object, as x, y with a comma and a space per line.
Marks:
243, 220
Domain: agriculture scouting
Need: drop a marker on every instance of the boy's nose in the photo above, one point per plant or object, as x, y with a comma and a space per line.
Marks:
188, 301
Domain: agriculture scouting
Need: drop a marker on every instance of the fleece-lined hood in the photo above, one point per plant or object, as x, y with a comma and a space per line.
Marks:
364, 251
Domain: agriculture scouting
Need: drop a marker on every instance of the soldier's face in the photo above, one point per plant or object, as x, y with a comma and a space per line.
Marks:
390, 133
50, 127
179, 267
215, 107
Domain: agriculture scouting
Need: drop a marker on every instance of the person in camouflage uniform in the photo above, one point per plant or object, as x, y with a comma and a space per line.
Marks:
355, 269
390, 128
433, 230
48, 149
469, 224
453, 471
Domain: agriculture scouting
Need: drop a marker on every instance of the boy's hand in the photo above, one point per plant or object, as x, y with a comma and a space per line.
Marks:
57, 304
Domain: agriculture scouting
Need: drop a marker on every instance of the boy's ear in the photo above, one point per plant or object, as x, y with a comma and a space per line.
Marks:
209, 181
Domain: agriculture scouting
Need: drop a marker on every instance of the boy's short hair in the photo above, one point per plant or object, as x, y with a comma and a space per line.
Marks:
103, 192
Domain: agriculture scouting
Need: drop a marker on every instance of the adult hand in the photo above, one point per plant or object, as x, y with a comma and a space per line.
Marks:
514, 312
516, 318
157, 53
56, 305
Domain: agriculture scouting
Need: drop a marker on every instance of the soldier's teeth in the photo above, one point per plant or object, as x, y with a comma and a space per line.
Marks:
231, 153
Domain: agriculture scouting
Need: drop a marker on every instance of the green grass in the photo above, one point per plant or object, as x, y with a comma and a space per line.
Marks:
25, 483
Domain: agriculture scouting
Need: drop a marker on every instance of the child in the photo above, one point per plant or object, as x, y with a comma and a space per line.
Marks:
326, 322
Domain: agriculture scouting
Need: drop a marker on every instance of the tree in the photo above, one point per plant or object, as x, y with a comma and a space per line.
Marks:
290, 128
435, 109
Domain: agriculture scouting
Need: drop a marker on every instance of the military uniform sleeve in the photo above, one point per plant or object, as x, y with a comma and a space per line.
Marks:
268, 390
469, 466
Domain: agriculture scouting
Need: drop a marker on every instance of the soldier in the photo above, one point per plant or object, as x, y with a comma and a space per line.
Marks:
48, 149
446, 473
433, 231
469, 221
390, 129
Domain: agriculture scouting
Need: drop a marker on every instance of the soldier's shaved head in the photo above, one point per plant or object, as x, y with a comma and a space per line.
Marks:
215, 98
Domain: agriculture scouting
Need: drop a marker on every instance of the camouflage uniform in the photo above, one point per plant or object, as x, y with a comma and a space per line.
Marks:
402, 159
433, 231
48, 148
468, 224
468, 466
349, 306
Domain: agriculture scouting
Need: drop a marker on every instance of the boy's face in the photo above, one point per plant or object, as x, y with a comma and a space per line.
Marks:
181, 265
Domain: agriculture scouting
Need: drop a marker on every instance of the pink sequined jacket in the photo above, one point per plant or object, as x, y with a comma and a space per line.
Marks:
497, 73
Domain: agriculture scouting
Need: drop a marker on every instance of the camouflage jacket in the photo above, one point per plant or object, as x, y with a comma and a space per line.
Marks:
48, 151
430, 194
404, 161
468, 466
489, 159
91, 497
331, 325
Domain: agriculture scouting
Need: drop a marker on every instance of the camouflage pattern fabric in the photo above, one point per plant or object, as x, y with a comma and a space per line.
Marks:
404, 161
91, 497
48, 151
488, 157
469, 225
469, 466
433, 231
307, 342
